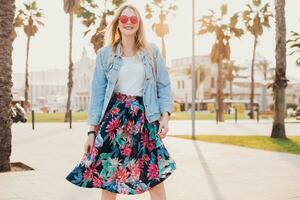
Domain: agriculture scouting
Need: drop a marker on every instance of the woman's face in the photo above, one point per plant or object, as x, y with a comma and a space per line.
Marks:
128, 22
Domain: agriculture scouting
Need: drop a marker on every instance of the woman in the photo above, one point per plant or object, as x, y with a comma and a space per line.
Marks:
129, 110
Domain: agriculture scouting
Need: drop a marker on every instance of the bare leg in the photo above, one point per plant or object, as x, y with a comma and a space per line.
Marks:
158, 192
107, 195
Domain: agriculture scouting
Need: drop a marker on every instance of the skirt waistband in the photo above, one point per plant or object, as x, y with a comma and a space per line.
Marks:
124, 96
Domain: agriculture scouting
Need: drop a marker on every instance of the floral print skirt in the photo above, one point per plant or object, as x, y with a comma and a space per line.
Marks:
128, 156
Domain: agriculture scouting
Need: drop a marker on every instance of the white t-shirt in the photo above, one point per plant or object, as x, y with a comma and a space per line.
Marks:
131, 77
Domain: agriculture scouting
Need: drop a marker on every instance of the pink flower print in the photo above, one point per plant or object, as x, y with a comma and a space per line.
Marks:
150, 145
113, 125
88, 173
138, 127
159, 158
115, 111
129, 126
135, 171
97, 181
134, 110
126, 151
143, 117
152, 172
121, 175
145, 140
127, 104
94, 152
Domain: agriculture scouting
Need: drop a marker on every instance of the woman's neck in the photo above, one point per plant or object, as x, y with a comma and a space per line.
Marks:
128, 46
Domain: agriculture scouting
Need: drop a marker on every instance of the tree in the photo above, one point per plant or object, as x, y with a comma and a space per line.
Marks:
71, 7
89, 11
164, 8
200, 75
256, 18
264, 67
220, 51
7, 35
295, 45
280, 81
29, 19
231, 70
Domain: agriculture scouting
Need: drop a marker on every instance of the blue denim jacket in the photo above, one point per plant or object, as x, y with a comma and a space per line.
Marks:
156, 100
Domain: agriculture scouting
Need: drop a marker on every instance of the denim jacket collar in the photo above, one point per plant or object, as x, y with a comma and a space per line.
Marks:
142, 53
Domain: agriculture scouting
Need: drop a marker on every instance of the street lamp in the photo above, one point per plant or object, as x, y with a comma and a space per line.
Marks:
193, 69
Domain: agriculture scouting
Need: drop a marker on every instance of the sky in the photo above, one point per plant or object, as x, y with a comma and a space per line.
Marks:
49, 48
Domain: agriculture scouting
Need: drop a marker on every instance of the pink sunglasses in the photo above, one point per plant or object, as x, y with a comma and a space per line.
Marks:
124, 19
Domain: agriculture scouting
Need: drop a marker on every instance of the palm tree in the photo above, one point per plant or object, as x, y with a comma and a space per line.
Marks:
256, 17
70, 7
161, 29
264, 67
295, 44
221, 49
29, 19
7, 35
89, 11
231, 70
280, 81
200, 75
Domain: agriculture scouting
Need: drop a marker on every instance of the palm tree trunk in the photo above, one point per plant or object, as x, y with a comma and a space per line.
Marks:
280, 83
220, 94
27, 75
252, 80
70, 74
7, 13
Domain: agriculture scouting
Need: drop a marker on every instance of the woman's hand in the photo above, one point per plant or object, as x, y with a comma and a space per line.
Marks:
88, 146
163, 125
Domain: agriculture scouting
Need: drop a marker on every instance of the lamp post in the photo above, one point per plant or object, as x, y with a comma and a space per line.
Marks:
193, 69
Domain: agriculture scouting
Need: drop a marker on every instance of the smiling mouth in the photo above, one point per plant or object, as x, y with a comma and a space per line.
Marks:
128, 27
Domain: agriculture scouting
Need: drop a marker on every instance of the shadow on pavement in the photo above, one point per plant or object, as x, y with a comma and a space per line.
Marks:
216, 193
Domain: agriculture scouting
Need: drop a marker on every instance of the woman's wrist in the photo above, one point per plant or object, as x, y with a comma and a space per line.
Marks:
91, 133
92, 127
165, 114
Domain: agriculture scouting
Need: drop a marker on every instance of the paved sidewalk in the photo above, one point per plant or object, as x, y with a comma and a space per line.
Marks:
205, 171
229, 127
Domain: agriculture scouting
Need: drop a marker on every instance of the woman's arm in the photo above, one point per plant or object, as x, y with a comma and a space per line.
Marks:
164, 91
98, 87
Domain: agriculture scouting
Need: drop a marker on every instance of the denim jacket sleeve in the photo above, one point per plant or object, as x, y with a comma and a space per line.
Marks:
164, 91
98, 87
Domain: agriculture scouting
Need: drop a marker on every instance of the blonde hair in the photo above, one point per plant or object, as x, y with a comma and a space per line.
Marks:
113, 35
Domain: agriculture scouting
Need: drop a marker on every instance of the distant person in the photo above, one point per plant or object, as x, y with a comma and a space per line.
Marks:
131, 101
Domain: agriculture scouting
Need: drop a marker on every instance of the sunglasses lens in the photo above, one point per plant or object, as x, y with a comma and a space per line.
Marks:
133, 19
123, 19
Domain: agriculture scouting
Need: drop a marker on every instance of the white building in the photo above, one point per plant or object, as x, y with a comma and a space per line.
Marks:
44, 86
82, 74
181, 79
